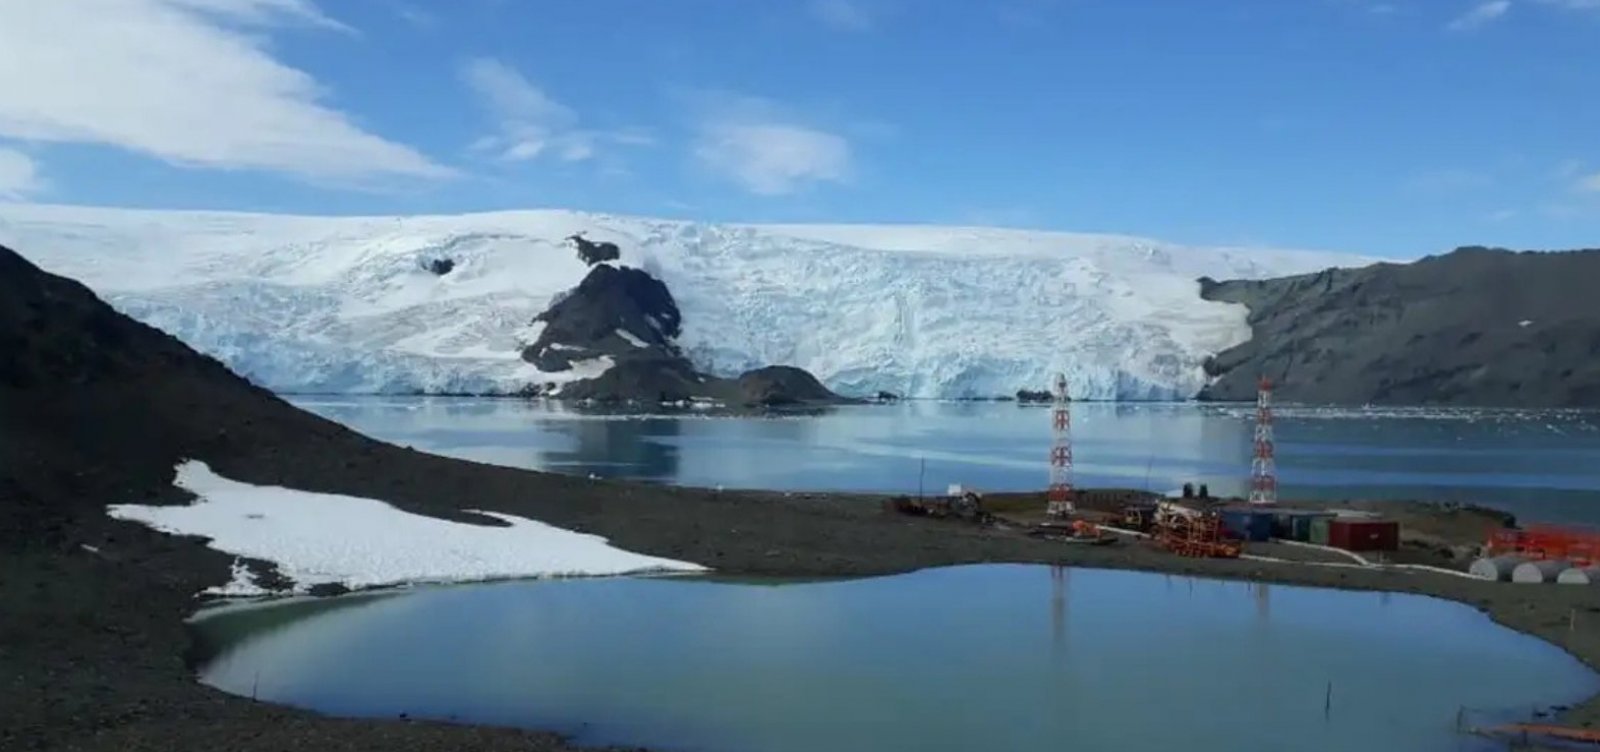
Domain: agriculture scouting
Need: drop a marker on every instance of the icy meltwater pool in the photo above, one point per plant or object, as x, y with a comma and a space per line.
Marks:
1538, 464
985, 657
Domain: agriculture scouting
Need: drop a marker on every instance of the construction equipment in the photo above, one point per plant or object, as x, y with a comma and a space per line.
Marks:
1074, 531
966, 506
1138, 517
1187, 531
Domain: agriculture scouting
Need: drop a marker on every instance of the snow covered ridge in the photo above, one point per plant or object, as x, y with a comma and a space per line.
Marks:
325, 538
357, 304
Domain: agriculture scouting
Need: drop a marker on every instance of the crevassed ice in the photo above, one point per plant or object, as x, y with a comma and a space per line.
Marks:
344, 305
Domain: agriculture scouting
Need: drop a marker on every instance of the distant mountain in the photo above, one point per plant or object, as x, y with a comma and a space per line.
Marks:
1477, 326
443, 303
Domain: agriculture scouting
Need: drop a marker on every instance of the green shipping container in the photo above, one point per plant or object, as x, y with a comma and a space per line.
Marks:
1319, 530
1300, 526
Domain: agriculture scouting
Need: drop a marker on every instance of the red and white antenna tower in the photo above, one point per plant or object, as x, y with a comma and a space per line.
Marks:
1264, 469
1060, 494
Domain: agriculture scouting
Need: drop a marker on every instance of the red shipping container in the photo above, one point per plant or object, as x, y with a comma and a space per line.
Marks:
1364, 535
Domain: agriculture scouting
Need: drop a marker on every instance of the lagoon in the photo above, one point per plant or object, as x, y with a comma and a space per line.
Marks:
1016, 657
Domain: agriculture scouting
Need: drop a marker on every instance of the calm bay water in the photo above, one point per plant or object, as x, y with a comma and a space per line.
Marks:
986, 657
1540, 464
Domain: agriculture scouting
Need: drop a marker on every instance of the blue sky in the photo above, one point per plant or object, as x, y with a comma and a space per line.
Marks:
1401, 127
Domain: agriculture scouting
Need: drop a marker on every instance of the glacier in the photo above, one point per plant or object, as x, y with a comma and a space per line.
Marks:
303, 304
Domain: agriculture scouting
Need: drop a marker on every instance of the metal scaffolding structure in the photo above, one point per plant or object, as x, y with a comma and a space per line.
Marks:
1060, 495
1263, 468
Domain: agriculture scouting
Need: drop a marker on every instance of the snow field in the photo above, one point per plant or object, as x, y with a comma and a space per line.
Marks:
346, 305
319, 538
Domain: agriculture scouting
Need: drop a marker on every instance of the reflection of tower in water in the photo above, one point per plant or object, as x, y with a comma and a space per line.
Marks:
1058, 608
1262, 593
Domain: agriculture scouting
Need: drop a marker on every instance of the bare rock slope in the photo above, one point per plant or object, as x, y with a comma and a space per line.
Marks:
1477, 326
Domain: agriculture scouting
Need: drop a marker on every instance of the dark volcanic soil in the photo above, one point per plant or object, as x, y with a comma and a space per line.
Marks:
96, 409
1474, 327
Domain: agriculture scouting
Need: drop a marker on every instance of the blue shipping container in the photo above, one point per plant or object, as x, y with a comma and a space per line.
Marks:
1248, 524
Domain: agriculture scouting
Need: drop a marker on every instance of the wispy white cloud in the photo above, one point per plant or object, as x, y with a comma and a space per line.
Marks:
1589, 183
1373, 8
1448, 181
844, 15
1572, 4
1502, 215
999, 216
1027, 15
773, 159
416, 16
1479, 15
765, 148
19, 175
529, 123
190, 82
1568, 168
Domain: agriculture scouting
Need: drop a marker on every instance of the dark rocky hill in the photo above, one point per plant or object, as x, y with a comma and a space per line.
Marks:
1478, 326
622, 312
630, 317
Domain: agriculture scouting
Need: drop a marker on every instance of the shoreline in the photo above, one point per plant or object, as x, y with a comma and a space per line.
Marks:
1543, 611
93, 645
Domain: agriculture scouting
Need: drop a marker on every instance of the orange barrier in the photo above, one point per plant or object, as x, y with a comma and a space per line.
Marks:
1580, 546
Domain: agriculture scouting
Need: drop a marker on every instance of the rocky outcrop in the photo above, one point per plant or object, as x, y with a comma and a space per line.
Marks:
621, 313
629, 318
652, 381
776, 386
1478, 326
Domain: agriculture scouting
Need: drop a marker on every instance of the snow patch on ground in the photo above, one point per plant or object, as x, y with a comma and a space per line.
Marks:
242, 584
343, 305
632, 340
319, 538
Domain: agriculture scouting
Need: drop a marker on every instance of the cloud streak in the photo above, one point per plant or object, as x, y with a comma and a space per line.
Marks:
764, 148
1448, 181
1591, 5
774, 159
529, 123
844, 15
19, 175
1480, 15
188, 82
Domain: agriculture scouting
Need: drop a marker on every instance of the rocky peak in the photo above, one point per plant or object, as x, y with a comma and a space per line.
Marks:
620, 312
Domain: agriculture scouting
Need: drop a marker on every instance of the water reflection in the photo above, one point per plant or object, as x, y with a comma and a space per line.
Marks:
617, 448
1058, 609
1542, 465
940, 659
